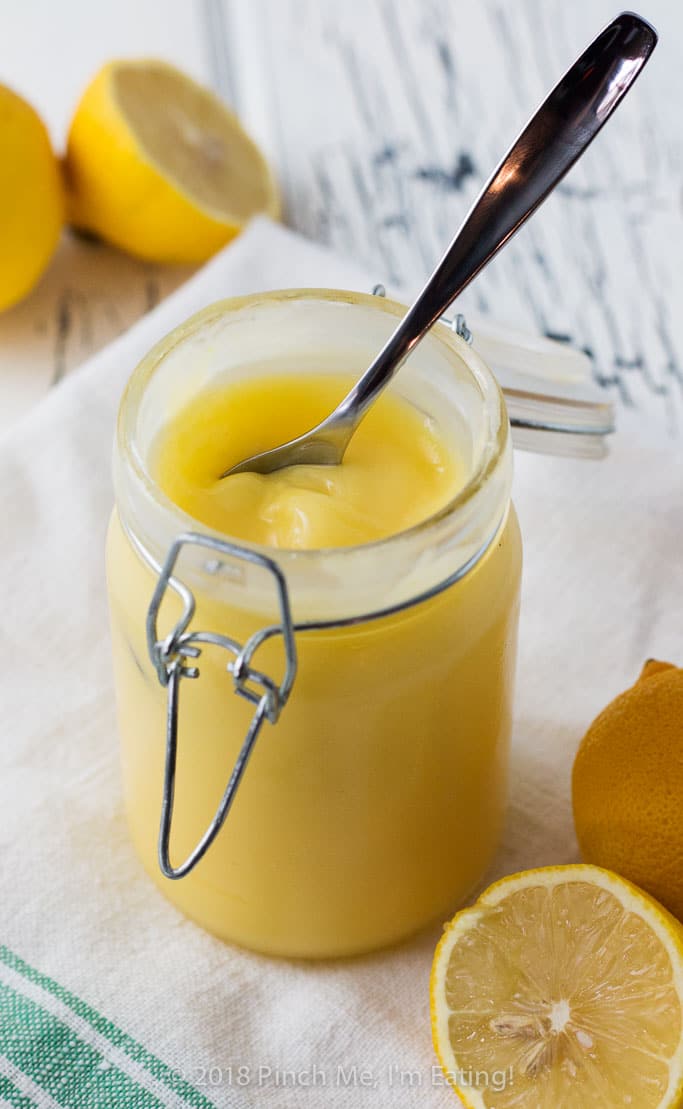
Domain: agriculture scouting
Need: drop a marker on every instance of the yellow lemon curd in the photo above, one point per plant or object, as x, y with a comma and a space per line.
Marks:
374, 804
396, 471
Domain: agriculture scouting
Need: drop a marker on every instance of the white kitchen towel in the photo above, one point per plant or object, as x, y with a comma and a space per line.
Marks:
108, 996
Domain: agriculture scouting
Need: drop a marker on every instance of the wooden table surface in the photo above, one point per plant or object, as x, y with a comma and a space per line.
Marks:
383, 118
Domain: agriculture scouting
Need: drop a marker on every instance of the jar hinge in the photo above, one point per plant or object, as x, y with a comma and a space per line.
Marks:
172, 658
457, 323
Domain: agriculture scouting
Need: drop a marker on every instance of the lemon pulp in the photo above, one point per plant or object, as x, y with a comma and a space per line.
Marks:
189, 134
566, 984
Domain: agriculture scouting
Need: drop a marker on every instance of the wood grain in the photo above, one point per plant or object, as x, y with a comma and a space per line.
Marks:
387, 118
383, 119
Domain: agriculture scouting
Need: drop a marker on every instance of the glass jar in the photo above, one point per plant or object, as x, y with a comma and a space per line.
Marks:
378, 723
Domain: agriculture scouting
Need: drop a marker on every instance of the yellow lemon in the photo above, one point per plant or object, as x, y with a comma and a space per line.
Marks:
561, 988
157, 165
628, 786
31, 198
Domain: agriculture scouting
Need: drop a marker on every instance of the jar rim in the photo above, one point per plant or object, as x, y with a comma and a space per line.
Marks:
497, 445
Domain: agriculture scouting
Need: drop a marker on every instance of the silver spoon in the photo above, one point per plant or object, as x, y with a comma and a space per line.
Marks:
555, 137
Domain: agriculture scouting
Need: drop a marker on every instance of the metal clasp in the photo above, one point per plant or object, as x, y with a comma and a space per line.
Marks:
174, 659
457, 323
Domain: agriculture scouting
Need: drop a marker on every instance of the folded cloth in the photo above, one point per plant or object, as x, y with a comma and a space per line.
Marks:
108, 996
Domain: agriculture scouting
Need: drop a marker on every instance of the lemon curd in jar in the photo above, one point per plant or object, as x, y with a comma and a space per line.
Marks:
396, 470
374, 804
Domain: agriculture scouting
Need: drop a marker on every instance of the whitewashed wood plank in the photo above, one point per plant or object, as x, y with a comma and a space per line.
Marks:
385, 119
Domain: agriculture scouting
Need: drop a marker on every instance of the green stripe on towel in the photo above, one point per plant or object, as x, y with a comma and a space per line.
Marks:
72, 1071
54, 1058
14, 1097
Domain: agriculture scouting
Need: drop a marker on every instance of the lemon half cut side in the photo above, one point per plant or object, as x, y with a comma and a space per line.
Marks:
157, 165
561, 988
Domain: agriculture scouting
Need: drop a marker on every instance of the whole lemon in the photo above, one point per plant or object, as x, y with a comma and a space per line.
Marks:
160, 167
31, 198
628, 786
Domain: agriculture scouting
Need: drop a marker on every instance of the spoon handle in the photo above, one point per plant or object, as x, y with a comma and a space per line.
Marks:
553, 139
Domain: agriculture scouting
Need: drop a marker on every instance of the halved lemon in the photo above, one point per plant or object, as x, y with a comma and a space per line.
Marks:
157, 165
561, 988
